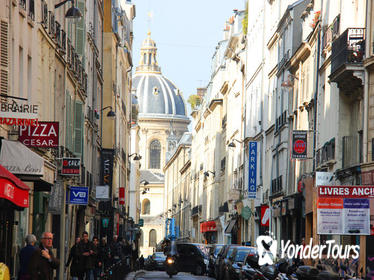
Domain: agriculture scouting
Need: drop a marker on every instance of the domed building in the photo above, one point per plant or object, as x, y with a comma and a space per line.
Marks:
162, 120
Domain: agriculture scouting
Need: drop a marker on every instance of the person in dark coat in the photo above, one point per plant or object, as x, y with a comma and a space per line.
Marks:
104, 253
85, 250
75, 269
96, 258
42, 261
25, 255
116, 250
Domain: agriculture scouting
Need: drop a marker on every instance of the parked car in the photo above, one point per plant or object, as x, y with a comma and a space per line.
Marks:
224, 253
190, 259
213, 253
155, 261
233, 264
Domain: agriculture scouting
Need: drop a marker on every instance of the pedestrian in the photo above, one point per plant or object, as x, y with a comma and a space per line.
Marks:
104, 253
85, 250
73, 260
141, 262
43, 262
116, 250
96, 258
25, 255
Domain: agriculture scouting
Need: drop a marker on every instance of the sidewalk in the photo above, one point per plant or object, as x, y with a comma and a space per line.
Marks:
135, 274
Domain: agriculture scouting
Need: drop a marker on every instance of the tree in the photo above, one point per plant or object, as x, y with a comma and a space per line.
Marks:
194, 100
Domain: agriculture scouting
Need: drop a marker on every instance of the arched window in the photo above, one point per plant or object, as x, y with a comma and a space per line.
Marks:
154, 154
146, 207
152, 238
141, 241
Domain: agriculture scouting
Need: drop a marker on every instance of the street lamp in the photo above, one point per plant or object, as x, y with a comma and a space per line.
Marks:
136, 157
206, 173
145, 182
73, 12
111, 114
232, 144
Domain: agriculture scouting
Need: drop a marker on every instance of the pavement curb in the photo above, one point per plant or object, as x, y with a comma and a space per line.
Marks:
139, 273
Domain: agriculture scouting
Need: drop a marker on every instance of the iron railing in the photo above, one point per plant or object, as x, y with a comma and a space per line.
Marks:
348, 48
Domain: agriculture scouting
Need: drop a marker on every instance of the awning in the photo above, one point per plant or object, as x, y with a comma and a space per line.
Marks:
19, 159
208, 226
13, 189
230, 226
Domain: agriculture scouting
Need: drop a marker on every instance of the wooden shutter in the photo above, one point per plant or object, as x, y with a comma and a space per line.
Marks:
4, 57
69, 122
80, 32
78, 128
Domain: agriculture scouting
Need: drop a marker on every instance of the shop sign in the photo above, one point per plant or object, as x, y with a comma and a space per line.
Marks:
346, 191
265, 215
107, 156
18, 114
102, 192
299, 144
252, 188
121, 196
324, 178
77, 195
71, 166
44, 134
55, 199
105, 222
346, 216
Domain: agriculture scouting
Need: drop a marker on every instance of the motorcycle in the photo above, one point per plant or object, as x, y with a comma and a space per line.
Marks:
171, 260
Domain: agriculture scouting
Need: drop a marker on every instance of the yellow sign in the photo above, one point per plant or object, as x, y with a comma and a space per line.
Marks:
4, 272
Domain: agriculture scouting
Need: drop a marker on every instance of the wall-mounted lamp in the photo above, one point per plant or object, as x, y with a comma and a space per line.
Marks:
206, 173
73, 12
144, 182
232, 144
136, 157
111, 114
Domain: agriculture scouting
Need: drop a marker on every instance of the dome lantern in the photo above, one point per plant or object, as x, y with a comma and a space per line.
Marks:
148, 56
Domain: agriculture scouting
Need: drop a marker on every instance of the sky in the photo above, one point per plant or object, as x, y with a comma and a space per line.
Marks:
186, 34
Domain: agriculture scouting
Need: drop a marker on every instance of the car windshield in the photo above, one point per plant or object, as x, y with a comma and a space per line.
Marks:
159, 256
229, 252
241, 254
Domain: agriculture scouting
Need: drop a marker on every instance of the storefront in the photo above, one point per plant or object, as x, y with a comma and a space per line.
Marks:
209, 231
14, 198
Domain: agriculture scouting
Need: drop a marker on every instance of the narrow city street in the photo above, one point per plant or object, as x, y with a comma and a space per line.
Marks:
158, 275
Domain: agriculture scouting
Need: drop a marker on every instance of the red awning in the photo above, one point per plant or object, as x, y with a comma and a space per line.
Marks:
208, 226
13, 189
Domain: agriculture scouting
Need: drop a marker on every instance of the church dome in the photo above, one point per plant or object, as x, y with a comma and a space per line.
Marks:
157, 95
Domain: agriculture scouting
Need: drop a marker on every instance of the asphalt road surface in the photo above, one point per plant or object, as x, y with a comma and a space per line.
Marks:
161, 275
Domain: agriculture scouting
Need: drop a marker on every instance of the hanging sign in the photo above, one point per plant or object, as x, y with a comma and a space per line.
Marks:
77, 195
121, 196
265, 215
252, 170
44, 134
71, 166
299, 144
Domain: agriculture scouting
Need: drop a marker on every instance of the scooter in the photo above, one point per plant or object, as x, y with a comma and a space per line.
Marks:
171, 260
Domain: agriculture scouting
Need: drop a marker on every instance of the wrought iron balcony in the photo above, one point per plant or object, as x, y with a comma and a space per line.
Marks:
348, 51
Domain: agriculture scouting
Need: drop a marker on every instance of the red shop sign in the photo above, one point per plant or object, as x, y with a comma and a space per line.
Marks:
346, 191
44, 134
121, 198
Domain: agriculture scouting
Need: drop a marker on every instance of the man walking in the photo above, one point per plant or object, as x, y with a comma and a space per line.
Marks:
25, 256
75, 269
42, 261
85, 250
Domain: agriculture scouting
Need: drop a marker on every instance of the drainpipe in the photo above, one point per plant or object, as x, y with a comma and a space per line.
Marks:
316, 99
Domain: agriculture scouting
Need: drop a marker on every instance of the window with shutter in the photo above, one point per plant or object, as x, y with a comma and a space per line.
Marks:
78, 128
4, 57
69, 122
80, 33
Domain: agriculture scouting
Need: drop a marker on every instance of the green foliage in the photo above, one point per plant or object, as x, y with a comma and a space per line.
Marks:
194, 100
245, 19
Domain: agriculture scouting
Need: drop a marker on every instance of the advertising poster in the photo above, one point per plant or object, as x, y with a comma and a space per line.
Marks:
329, 215
356, 216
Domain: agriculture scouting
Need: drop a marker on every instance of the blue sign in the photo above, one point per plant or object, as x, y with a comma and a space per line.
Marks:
252, 182
77, 195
